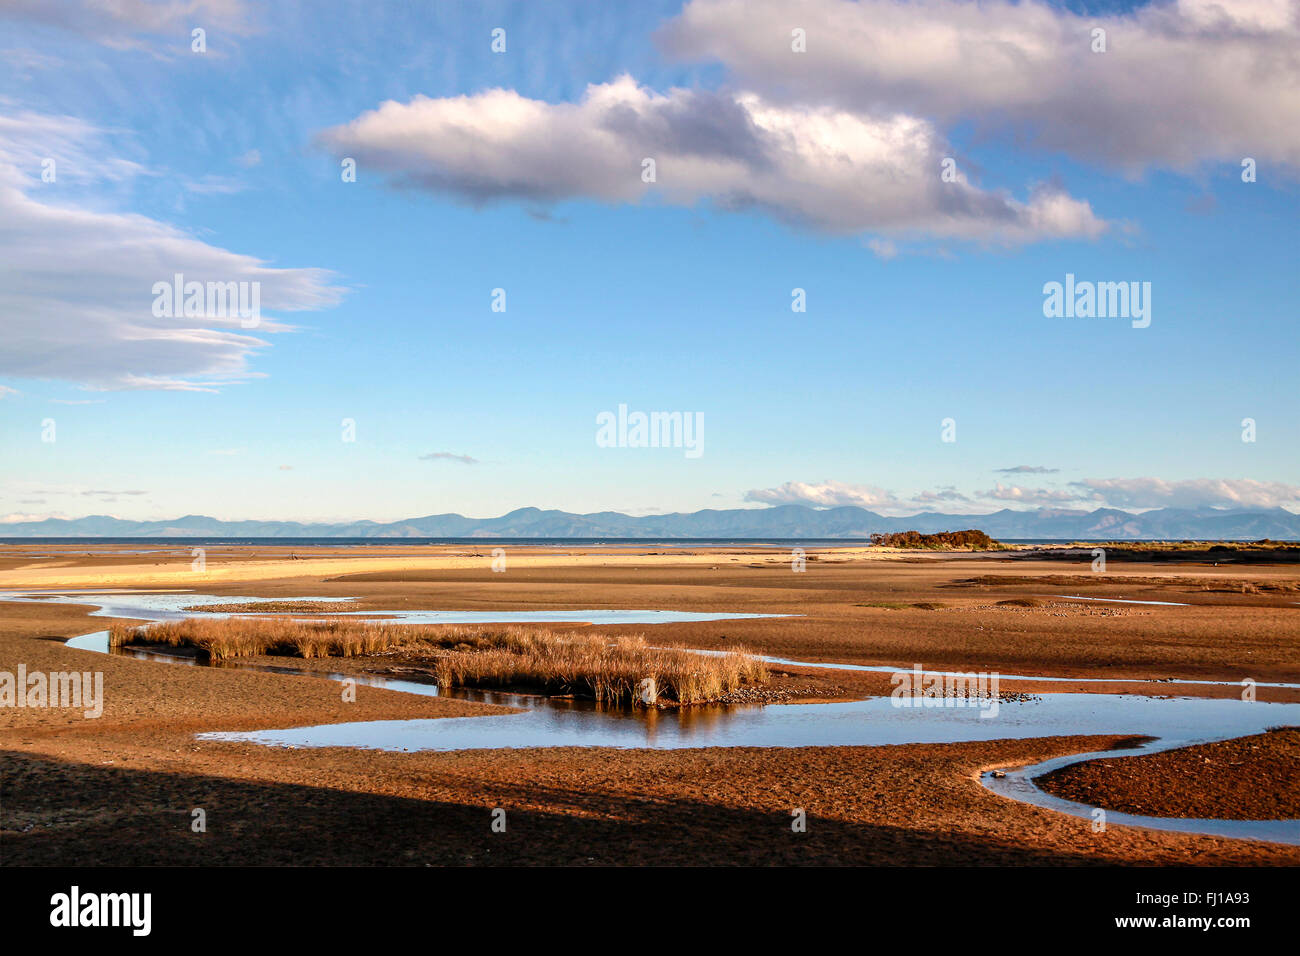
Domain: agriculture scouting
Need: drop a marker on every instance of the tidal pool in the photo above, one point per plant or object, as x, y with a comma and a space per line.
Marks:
878, 721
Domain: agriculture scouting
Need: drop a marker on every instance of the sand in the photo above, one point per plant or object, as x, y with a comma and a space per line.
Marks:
1250, 778
121, 789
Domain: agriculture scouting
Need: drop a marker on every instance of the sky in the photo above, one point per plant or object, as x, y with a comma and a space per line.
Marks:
442, 331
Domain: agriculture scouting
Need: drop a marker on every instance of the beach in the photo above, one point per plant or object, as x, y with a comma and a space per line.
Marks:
123, 787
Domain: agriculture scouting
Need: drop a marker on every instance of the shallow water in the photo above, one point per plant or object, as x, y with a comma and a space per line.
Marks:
893, 669
551, 722
873, 722
1020, 784
1075, 597
170, 605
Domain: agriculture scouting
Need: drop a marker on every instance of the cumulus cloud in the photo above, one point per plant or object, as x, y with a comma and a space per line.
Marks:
1190, 493
76, 299
824, 494
1180, 82
819, 166
448, 456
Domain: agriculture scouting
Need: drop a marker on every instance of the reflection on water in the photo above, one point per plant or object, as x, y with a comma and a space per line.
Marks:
865, 723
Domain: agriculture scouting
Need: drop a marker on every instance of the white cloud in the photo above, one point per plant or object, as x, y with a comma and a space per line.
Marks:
1029, 496
79, 150
824, 494
1137, 494
832, 169
1179, 83
1191, 493
76, 300
6, 390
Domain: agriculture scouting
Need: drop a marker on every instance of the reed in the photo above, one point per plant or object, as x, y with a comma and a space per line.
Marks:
607, 668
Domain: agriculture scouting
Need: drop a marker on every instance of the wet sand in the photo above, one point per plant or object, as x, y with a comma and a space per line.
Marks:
1250, 778
121, 788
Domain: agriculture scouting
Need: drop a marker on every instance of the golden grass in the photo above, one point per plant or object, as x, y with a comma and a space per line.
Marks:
608, 668
222, 639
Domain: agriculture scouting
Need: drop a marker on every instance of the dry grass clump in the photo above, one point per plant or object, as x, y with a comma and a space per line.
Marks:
605, 667
594, 665
221, 639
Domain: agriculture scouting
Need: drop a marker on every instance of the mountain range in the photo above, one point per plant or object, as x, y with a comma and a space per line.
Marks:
784, 521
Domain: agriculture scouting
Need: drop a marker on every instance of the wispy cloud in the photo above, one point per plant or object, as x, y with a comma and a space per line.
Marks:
448, 456
130, 24
1027, 470
73, 307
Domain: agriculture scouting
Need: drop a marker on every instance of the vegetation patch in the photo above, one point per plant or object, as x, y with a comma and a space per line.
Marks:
610, 669
972, 540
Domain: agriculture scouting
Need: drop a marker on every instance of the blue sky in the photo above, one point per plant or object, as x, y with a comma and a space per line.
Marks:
671, 296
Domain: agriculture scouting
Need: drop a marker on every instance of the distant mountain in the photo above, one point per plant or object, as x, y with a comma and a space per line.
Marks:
785, 521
